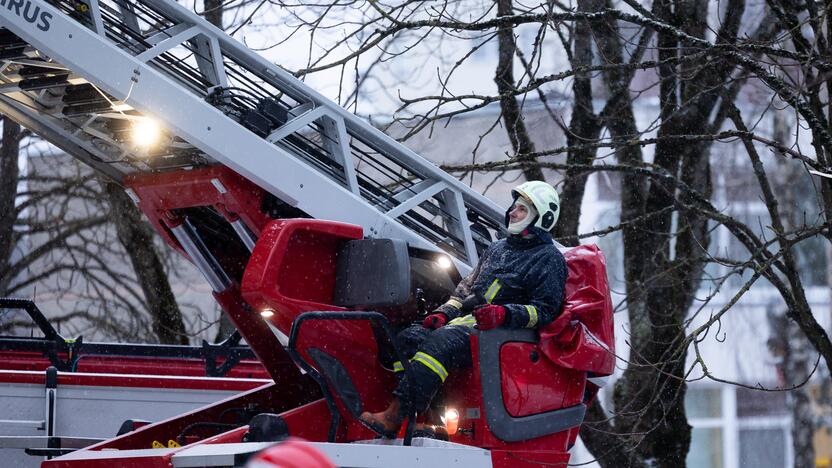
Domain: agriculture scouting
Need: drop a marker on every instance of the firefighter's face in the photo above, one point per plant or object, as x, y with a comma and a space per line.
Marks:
517, 213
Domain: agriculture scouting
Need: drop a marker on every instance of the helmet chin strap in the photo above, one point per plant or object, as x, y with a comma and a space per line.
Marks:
523, 224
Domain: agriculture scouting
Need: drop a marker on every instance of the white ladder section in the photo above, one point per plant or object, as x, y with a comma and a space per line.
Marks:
78, 72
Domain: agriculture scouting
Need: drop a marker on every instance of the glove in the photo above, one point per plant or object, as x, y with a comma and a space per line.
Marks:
434, 321
490, 316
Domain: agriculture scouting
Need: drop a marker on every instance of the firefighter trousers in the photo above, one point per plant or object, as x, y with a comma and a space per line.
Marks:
433, 354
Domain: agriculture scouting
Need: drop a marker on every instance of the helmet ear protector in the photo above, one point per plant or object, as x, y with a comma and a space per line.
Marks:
545, 200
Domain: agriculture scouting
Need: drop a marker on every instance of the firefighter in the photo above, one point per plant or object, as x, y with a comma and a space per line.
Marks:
519, 282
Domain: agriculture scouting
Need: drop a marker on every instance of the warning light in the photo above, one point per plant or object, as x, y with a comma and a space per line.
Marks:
145, 132
444, 262
451, 420
266, 313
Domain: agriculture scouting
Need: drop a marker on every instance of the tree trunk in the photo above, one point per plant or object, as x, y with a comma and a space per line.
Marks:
583, 127
9, 178
797, 368
795, 349
620, 121
137, 238
521, 143
213, 12
663, 259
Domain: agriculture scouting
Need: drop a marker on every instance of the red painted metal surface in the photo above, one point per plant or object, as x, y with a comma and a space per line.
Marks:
231, 437
259, 337
310, 421
463, 391
292, 268
533, 385
132, 381
267, 399
163, 196
32, 361
161, 193
291, 271
160, 458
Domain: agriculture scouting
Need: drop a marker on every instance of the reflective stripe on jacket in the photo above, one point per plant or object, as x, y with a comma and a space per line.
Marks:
526, 275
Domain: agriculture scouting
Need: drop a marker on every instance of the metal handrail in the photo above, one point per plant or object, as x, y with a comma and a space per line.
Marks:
352, 315
54, 343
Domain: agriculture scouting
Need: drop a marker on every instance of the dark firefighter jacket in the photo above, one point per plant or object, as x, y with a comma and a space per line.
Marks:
525, 274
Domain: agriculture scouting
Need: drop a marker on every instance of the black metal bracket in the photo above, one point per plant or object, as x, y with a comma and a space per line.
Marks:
48, 452
503, 425
34, 312
330, 400
52, 342
229, 349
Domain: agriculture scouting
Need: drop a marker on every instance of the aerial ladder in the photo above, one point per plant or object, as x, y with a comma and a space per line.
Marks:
318, 233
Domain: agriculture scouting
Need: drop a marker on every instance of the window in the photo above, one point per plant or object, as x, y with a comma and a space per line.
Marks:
737, 427
760, 403
703, 402
706, 448
704, 409
763, 448
736, 190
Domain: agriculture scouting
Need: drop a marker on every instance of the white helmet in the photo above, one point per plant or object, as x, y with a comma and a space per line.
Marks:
545, 199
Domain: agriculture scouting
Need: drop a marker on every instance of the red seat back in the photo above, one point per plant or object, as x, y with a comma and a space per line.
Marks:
581, 338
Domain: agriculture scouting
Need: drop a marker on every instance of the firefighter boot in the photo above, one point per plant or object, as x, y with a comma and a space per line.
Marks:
386, 423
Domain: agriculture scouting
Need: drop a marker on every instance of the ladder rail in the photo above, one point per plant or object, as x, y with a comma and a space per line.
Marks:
145, 70
355, 125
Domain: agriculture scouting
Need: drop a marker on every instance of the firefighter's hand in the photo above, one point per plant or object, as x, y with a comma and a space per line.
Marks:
434, 321
490, 316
